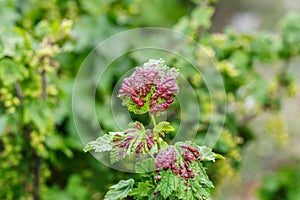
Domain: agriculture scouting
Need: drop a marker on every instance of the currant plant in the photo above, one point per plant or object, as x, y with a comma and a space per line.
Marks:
29, 90
37, 134
173, 171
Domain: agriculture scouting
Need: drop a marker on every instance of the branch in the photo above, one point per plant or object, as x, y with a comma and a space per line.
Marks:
36, 168
156, 135
282, 73
37, 172
246, 119
44, 85
19, 91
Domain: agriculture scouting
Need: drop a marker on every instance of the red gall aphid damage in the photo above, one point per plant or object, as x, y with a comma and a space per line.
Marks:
169, 159
152, 85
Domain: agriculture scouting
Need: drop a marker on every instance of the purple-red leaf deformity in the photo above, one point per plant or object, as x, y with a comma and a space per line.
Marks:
166, 159
151, 88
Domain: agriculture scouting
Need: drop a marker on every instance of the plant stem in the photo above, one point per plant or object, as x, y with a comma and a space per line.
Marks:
19, 91
155, 133
37, 172
36, 167
153, 120
151, 155
44, 85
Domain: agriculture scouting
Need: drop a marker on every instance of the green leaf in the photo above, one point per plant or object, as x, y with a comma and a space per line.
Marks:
202, 193
219, 156
11, 42
75, 189
163, 128
203, 178
182, 191
8, 14
101, 144
201, 16
146, 165
120, 190
2, 124
168, 183
156, 197
143, 190
56, 142
207, 154
38, 113
11, 71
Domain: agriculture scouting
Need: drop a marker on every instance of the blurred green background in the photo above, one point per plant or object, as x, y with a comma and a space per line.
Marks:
255, 44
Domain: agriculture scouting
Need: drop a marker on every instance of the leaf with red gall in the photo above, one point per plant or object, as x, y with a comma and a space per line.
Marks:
135, 140
165, 158
189, 156
151, 88
181, 165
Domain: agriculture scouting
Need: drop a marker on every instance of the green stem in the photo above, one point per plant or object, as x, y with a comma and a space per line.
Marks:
155, 133
153, 120
151, 155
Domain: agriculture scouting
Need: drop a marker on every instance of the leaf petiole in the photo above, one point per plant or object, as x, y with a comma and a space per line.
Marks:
156, 134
